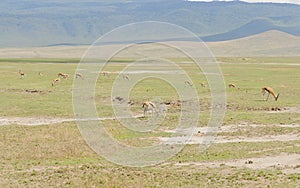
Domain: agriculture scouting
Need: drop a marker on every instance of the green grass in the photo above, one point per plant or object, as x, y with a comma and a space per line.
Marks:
49, 101
56, 101
232, 151
57, 156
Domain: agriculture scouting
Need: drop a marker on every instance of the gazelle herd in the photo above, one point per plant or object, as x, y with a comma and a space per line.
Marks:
265, 89
56, 80
148, 105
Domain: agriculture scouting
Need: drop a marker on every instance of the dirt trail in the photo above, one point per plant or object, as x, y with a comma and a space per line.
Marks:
37, 121
195, 139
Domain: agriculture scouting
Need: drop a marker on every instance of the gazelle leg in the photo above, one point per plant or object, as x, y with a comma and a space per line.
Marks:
268, 97
263, 94
152, 111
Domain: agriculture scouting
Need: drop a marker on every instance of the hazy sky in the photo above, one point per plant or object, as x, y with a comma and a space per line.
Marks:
255, 1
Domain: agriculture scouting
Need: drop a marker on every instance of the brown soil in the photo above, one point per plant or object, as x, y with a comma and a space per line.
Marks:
33, 91
295, 109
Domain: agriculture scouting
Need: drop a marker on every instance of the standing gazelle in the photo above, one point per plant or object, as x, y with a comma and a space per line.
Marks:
147, 105
125, 77
203, 84
79, 75
63, 75
105, 73
269, 91
54, 81
21, 73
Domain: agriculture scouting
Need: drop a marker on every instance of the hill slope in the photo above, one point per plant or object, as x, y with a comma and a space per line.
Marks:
42, 23
254, 27
270, 43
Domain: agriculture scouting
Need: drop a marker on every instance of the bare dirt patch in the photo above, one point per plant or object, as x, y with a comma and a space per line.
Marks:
200, 134
274, 109
207, 133
230, 139
37, 121
295, 109
289, 163
232, 128
33, 91
32, 121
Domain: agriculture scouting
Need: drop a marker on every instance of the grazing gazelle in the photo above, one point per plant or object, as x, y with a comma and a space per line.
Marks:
232, 85
269, 91
148, 106
64, 75
125, 77
22, 74
105, 73
78, 75
56, 80
188, 83
203, 84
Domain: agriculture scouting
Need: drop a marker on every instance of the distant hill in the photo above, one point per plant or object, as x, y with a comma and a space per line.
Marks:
270, 43
254, 27
77, 22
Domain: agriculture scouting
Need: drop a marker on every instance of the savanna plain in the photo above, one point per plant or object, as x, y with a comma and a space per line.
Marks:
257, 145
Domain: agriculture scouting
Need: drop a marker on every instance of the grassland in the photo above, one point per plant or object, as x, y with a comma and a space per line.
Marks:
57, 156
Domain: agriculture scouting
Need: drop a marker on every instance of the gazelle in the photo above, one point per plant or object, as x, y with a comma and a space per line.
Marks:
63, 75
148, 106
105, 73
203, 84
269, 91
79, 75
21, 73
56, 80
231, 85
188, 83
125, 77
